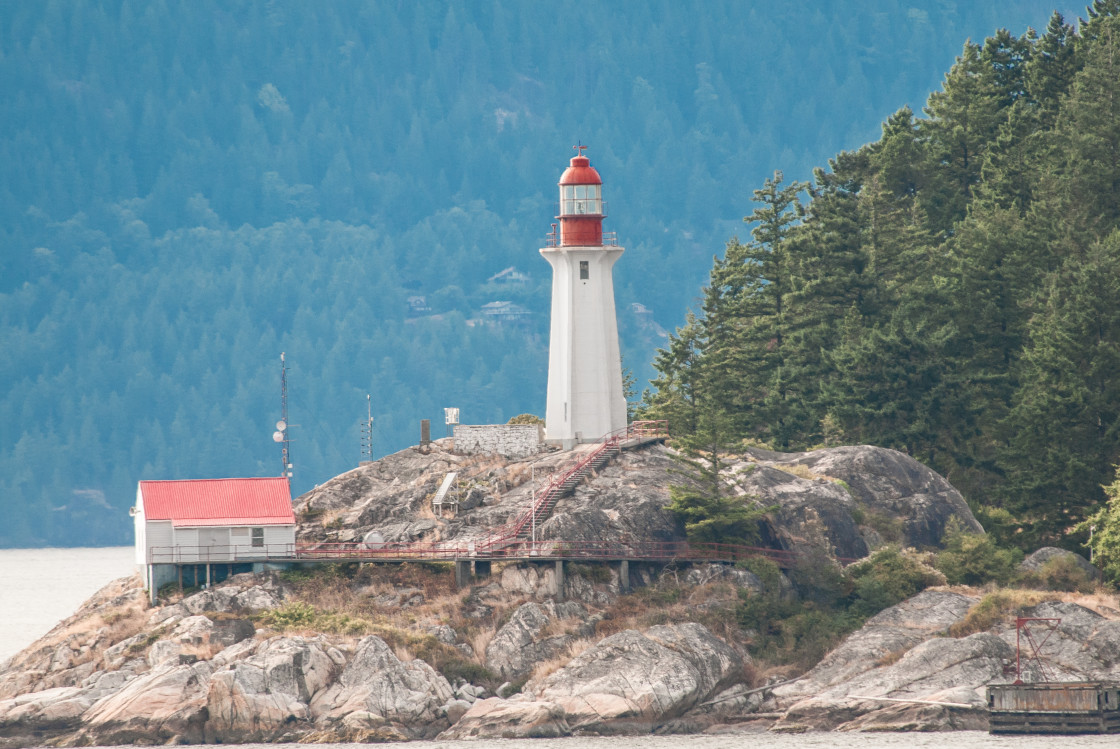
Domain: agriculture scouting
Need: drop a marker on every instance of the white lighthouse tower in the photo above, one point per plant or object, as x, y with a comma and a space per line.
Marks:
585, 397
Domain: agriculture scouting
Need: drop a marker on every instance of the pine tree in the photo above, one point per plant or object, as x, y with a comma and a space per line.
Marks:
828, 278
1065, 420
702, 503
963, 119
767, 278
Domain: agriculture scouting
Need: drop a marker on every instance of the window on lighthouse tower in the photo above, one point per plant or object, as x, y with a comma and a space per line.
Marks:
579, 199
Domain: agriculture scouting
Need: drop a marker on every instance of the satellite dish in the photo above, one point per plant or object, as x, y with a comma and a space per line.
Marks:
281, 425
374, 540
277, 436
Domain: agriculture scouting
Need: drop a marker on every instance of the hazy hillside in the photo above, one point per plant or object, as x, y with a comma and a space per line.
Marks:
190, 189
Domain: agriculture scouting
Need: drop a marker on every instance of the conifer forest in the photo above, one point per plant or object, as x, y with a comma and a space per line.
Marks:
895, 224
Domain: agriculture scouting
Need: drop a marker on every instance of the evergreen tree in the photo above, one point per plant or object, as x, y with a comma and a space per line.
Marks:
702, 503
1064, 424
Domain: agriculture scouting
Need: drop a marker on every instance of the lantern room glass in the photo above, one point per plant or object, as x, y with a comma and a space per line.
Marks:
580, 199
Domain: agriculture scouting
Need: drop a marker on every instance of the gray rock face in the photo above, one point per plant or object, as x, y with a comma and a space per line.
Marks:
377, 684
629, 682
232, 599
1038, 560
889, 484
741, 579
888, 633
637, 680
260, 697
165, 703
512, 719
518, 646
937, 670
819, 495
1082, 647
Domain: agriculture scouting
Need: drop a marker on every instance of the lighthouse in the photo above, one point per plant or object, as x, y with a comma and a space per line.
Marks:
585, 396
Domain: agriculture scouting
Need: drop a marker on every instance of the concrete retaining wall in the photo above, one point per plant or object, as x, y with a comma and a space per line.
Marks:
509, 440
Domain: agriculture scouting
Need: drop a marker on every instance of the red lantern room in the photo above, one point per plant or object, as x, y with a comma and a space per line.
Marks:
581, 204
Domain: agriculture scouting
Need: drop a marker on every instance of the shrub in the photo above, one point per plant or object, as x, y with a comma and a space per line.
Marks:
765, 570
993, 608
974, 559
889, 527
888, 576
1060, 573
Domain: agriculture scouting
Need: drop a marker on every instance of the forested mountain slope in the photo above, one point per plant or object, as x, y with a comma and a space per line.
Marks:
190, 189
951, 290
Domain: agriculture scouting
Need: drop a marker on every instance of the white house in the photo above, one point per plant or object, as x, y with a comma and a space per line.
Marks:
211, 521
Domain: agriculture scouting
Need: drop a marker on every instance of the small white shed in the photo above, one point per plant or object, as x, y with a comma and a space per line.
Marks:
205, 521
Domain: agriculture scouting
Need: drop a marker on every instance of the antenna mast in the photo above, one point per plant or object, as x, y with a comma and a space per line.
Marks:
367, 435
281, 433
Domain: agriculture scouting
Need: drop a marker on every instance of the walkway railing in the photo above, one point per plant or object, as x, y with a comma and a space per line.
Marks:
506, 542
651, 551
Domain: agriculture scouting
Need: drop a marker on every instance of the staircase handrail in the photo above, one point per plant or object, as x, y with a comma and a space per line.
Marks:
637, 430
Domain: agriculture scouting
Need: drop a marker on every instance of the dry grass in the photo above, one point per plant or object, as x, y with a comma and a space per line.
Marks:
998, 606
479, 641
800, 471
1102, 600
892, 657
546, 668
559, 627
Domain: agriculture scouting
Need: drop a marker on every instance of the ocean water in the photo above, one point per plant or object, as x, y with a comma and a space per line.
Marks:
39, 587
963, 739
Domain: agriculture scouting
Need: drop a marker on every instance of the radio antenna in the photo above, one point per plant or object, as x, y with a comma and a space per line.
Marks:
367, 435
281, 433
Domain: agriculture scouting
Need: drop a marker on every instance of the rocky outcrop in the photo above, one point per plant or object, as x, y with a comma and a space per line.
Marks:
937, 670
586, 657
522, 642
265, 690
628, 682
851, 498
377, 688
899, 500
1039, 559
511, 719
165, 704
885, 636
902, 671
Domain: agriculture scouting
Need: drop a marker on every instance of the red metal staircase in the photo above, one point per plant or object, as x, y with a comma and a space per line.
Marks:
565, 481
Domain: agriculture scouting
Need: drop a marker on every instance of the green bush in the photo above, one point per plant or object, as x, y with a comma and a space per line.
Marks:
765, 570
835, 602
994, 608
1060, 573
887, 577
975, 559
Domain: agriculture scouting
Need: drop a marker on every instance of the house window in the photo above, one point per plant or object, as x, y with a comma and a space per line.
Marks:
584, 270
258, 537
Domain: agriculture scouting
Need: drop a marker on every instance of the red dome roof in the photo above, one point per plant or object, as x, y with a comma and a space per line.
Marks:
580, 173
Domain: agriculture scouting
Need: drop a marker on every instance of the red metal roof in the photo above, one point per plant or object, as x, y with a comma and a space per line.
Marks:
580, 172
258, 501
